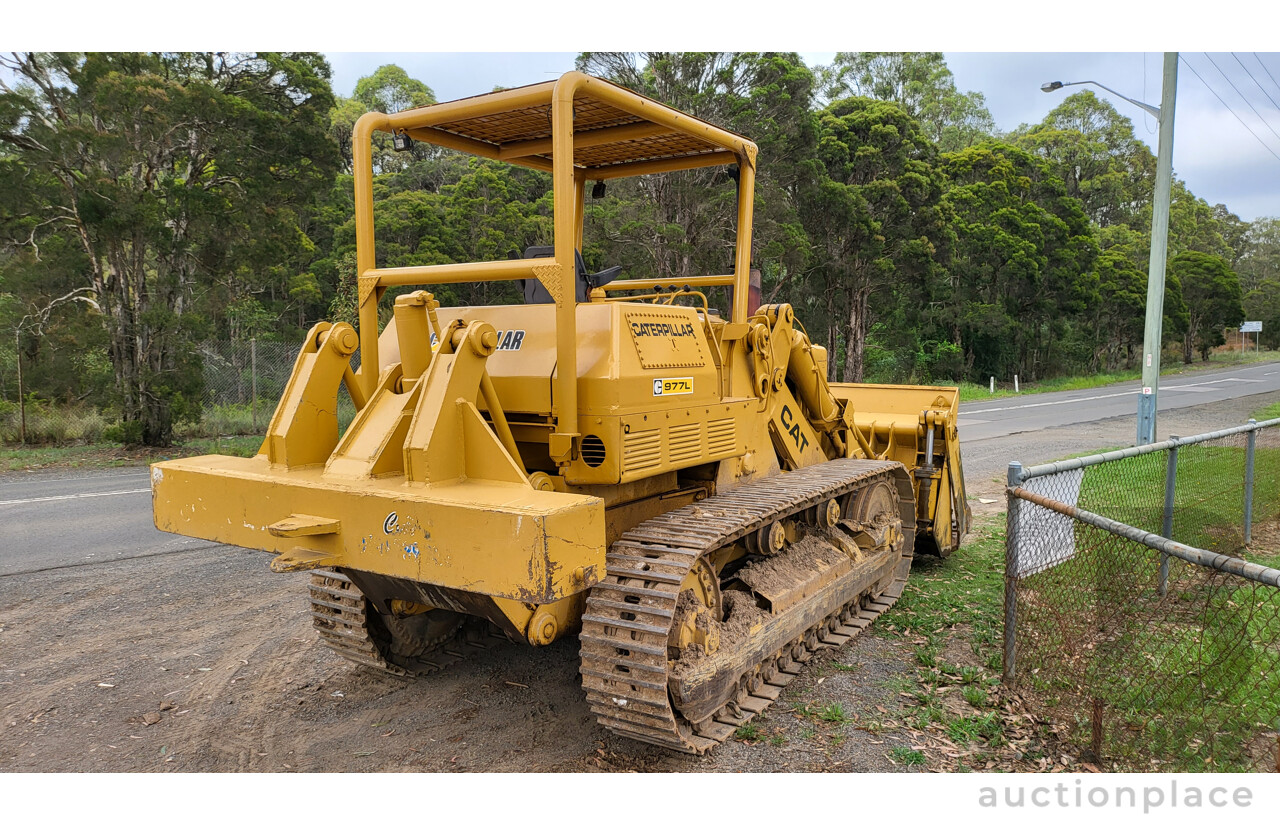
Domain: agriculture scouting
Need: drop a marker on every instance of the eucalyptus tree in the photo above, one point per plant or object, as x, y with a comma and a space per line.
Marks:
1212, 294
1092, 148
177, 174
1023, 263
874, 221
682, 223
1259, 271
920, 83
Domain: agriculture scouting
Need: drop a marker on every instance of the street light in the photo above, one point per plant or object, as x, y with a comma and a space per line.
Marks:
1159, 239
1058, 84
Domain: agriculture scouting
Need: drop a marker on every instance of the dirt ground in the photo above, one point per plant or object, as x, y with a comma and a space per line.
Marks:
142, 665
204, 660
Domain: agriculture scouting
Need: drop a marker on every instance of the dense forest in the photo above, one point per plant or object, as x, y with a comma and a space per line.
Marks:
152, 202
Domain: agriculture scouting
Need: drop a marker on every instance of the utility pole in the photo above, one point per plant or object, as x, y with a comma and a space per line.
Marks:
1151, 338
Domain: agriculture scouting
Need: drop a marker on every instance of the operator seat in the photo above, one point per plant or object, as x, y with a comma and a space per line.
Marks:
536, 293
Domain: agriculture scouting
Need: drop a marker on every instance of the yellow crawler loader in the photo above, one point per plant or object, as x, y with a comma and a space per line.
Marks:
613, 458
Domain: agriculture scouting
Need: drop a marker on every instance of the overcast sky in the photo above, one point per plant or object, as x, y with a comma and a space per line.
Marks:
510, 43
1217, 156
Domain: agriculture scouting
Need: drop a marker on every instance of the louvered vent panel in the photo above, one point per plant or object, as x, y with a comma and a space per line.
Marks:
641, 450
721, 437
685, 443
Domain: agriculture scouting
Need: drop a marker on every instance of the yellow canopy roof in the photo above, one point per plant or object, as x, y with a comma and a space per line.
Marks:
613, 127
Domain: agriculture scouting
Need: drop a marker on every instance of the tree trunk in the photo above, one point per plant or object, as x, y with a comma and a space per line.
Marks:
137, 351
856, 339
832, 351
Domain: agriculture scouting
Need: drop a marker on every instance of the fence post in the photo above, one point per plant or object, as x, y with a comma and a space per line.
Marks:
1248, 484
253, 382
1166, 529
22, 398
1010, 590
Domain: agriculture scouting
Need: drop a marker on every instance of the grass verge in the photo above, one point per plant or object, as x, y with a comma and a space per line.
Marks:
970, 392
1267, 413
952, 613
103, 456
1182, 676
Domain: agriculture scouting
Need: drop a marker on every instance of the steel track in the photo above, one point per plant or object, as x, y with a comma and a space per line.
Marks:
340, 614
629, 615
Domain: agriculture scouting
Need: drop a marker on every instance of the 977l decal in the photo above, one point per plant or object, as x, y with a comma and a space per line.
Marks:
672, 386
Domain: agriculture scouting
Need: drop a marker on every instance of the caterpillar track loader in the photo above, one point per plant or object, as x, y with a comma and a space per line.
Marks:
687, 493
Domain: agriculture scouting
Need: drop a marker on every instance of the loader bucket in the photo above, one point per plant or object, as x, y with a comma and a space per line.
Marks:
917, 426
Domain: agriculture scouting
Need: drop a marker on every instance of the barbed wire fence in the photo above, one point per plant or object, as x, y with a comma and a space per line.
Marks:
1142, 600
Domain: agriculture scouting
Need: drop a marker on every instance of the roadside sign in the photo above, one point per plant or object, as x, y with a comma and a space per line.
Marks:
1251, 326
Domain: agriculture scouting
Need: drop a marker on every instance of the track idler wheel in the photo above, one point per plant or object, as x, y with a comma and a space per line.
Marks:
872, 515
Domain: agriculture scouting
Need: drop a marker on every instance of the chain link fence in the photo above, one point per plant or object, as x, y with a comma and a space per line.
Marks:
243, 382
1142, 600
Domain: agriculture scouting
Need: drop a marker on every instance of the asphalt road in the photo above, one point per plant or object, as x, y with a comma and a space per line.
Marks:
61, 519
52, 520
1005, 416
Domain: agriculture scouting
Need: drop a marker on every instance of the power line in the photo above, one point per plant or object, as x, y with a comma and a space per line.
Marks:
1232, 84
1265, 69
1255, 80
1228, 107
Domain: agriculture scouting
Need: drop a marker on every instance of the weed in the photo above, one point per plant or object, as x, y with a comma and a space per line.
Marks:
749, 733
898, 683
777, 740
803, 709
926, 656
925, 716
969, 728
975, 696
843, 667
906, 756
926, 697
834, 712
970, 675
932, 677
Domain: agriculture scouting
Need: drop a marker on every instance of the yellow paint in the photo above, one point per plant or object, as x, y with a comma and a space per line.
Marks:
499, 450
